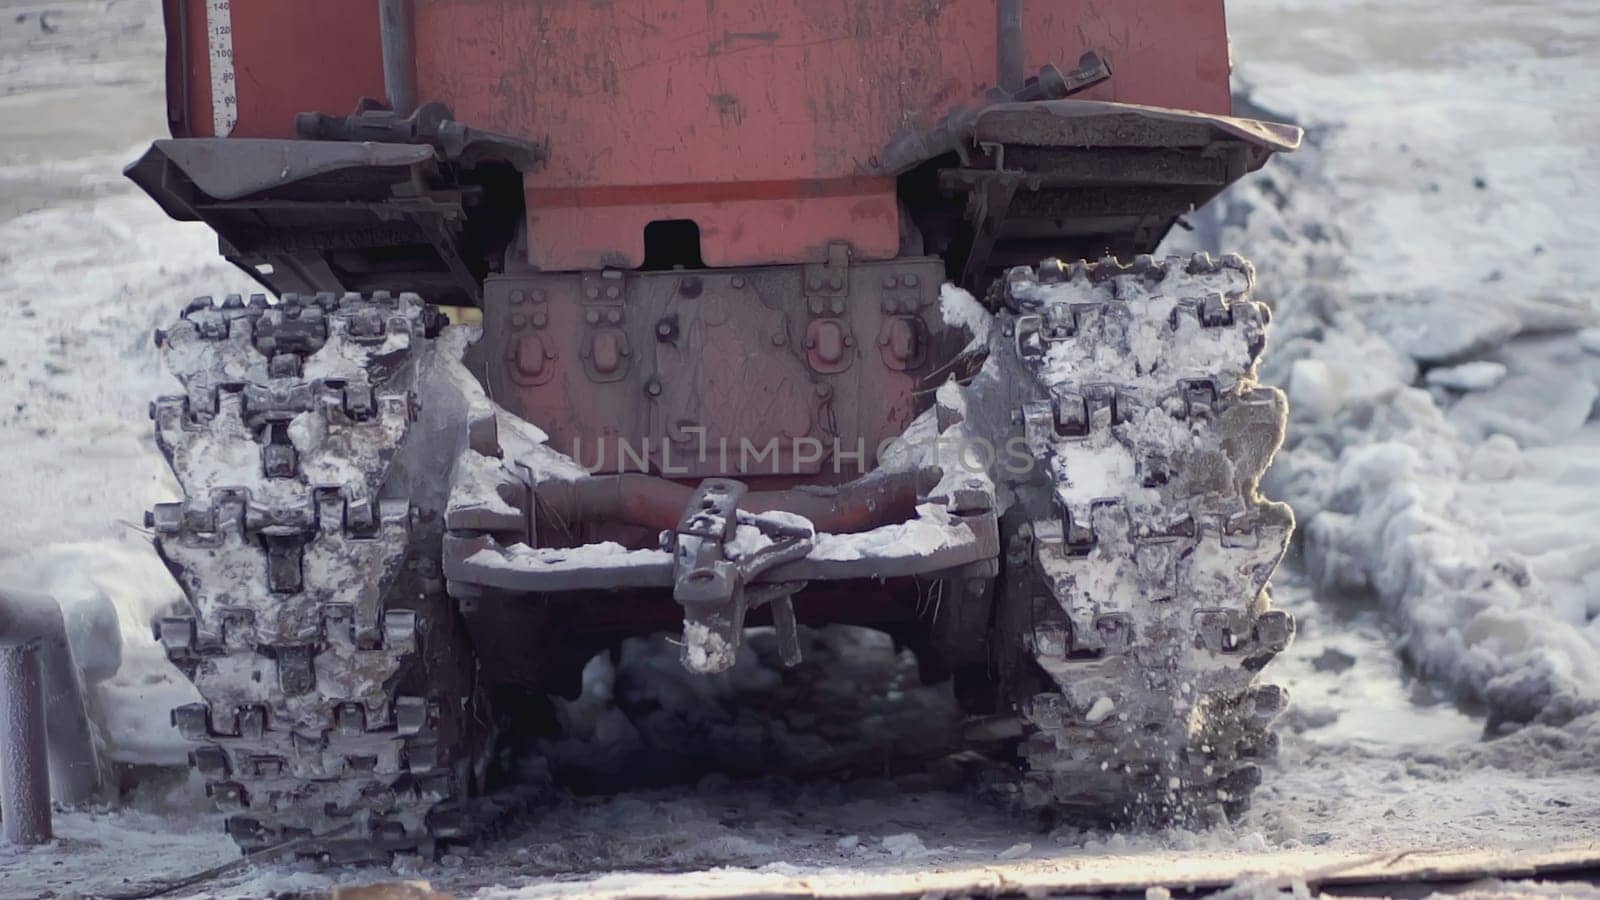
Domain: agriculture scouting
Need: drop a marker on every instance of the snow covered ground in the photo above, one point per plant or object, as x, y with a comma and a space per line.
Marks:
1430, 258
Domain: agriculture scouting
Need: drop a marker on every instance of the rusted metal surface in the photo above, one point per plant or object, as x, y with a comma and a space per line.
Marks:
25, 774
1088, 123
955, 131
332, 215
765, 123
431, 124
227, 169
647, 501
1089, 178
288, 56
481, 561
699, 374
710, 580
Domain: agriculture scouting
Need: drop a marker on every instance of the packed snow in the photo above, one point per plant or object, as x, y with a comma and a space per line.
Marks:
1430, 260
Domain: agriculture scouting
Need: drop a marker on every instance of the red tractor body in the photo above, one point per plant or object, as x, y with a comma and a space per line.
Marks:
765, 123
717, 251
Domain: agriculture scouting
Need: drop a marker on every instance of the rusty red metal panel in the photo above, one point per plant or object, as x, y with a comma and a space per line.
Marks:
739, 225
668, 102
288, 56
760, 120
775, 373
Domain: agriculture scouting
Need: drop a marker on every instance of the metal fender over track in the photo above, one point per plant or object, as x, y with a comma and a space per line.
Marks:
1134, 615
334, 677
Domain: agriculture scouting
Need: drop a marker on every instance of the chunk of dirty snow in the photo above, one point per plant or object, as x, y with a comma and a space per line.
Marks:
930, 531
1254, 842
1589, 339
1314, 390
1016, 851
904, 846
1431, 328
849, 843
1496, 459
1157, 892
1537, 408
1098, 712
1473, 376
960, 310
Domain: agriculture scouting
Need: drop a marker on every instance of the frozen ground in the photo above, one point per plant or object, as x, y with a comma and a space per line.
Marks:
1431, 258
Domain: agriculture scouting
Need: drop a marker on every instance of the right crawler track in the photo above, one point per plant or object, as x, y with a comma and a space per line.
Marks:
1135, 609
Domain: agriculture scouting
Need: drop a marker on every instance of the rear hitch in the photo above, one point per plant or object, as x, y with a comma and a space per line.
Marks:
711, 579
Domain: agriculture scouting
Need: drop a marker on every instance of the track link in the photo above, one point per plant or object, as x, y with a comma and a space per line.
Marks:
1135, 600
317, 632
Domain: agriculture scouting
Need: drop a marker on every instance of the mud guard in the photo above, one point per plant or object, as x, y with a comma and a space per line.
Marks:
1094, 123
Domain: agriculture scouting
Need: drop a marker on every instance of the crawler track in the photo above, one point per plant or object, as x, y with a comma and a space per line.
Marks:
1135, 615
317, 633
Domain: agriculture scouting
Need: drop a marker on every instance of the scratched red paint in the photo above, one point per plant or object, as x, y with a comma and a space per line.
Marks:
672, 102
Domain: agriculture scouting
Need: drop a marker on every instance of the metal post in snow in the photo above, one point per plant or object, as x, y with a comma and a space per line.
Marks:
24, 763
27, 617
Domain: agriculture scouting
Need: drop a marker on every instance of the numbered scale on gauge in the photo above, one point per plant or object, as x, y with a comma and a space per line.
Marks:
224, 89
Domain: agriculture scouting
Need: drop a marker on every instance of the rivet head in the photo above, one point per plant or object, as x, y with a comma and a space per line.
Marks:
540, 318
518, 296
836, 283
592, 291
737, 281
592, 317
613, 292
614, 316
838, 305
518, 320
653, 387
909, 279
889, 281
779, 339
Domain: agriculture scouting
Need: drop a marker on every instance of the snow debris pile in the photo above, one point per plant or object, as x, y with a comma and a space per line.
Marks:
1437, 354
855, 702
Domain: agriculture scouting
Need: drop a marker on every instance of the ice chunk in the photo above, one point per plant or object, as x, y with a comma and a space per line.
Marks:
960, 310
1473, 376
1313, 391
1432, 328
1016, 851
1101, 708
905, 846
1589, 340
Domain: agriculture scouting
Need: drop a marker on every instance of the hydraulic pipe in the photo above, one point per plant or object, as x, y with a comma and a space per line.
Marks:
1008, 46
399, 55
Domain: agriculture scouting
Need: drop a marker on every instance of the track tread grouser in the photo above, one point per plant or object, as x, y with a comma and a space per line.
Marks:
1134, 606
317, 634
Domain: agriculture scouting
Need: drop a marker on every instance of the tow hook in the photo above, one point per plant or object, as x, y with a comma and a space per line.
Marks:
712, 577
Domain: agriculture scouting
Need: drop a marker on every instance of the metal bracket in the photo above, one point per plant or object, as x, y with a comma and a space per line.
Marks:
710, 585
831, 278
